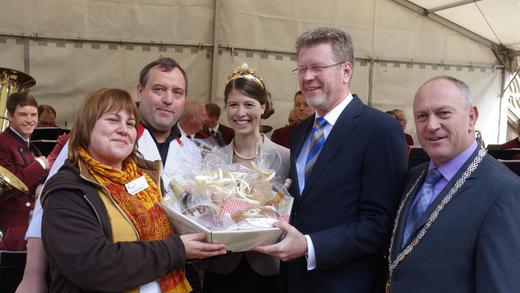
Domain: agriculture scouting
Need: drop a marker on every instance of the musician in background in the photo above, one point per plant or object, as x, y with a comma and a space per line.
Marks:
46, 116
24, 160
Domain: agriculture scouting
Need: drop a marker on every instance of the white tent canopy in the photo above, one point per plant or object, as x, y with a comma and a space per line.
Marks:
74, 46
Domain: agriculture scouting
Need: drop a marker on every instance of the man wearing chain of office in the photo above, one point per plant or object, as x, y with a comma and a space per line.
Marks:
458, 225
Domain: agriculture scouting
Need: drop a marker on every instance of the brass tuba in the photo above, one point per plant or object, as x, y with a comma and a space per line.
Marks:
10, 184
11, 81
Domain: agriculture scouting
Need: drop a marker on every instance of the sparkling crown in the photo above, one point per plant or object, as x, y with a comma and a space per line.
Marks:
245, 72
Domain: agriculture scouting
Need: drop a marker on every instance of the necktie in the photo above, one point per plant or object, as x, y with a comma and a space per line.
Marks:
416, 212
218, 137
317, 142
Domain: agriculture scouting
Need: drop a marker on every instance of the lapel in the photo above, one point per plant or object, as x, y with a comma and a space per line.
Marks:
338, 136
448, 187
412, 190
27, 153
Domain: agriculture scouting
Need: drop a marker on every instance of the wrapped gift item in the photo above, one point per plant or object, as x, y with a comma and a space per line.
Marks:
233, 204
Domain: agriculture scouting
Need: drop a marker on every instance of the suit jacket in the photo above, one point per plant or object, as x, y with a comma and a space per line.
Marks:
260, 263
227, 133
473, 244
512, 144
19, 158
349, 200
282, 135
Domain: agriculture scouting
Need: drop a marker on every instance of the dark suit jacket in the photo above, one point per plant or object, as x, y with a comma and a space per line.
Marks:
512, 144
473, 244
227, 133
349, 200
282, 135
18, 158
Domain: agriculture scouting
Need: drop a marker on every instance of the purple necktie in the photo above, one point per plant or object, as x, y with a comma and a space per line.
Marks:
424, 197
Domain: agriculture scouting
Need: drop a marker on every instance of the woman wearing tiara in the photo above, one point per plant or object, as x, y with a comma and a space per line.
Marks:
246, 103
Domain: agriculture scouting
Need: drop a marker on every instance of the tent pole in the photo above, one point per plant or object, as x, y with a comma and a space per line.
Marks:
370, 81
214, 65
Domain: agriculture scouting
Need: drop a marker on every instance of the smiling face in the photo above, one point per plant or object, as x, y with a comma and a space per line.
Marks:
24, 120
327, 88
301, 108
445, 123
244, 113
162, 100
113, 137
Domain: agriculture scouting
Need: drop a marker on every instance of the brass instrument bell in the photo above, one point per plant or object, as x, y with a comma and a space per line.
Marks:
11, 81
10, 184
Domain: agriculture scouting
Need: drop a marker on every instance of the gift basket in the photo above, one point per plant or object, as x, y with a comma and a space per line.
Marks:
233, 204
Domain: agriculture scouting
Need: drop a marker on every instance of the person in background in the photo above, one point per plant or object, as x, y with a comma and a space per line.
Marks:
20, 157
515, 142
401, 117
456, 229
46, 116
101, 209
291, 119
348, 163
301, 110
193, 118
247, 103
219, 133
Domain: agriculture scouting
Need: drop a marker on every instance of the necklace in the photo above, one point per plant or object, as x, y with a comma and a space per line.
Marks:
240, 156
393, 263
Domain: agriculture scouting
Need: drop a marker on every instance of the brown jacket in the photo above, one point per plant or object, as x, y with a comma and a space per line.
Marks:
77, 237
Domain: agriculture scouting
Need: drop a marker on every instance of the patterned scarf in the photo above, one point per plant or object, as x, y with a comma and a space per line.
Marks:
147, 216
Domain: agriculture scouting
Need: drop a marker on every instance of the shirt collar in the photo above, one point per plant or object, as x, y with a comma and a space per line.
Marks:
451, 168
21, 137
183, 133
214, 128
332, 116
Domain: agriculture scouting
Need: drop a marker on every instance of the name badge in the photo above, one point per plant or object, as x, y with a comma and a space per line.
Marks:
136, 185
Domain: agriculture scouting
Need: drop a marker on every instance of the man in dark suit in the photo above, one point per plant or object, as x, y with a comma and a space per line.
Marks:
456, 229
24, 160
345, 204
214, 131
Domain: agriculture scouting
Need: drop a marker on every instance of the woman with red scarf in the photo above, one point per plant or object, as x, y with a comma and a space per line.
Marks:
103, 230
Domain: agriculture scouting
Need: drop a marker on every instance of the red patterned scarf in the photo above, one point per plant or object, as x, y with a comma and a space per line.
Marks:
148, 217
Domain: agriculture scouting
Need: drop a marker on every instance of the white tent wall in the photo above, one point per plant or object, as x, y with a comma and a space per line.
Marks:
75, 46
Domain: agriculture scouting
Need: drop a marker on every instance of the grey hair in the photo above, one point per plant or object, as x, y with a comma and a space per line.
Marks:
462, 86
340, 41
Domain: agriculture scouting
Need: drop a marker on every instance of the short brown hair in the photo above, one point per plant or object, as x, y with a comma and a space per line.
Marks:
164, 64
213, 110
46, 108
340, 41
93, 107
19, 99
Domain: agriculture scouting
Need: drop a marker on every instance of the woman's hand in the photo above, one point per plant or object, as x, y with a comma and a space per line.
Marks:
197, 249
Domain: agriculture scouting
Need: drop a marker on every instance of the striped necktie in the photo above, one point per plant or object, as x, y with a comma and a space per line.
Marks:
424, 198
317, 142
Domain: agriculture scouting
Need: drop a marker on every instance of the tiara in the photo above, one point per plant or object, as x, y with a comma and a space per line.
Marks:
243, 71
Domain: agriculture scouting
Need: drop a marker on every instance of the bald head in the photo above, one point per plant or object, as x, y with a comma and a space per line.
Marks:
193, 117
444, 118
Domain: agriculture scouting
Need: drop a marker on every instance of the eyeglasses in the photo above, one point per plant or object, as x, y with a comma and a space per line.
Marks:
314, 69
